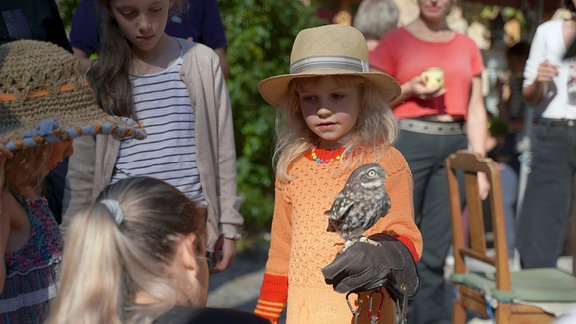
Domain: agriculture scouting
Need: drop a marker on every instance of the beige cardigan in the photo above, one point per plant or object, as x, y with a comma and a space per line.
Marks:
91, 166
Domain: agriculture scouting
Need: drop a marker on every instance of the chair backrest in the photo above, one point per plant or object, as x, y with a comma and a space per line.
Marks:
469, 164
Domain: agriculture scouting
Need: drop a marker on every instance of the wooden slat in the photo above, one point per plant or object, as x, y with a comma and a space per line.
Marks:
470, 298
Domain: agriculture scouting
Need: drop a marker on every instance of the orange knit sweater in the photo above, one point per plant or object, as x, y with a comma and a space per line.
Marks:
300, 245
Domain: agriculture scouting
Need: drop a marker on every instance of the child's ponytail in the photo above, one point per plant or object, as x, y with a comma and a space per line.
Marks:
94, 292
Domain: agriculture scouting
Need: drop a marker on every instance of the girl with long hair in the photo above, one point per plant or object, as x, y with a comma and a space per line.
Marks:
176, 90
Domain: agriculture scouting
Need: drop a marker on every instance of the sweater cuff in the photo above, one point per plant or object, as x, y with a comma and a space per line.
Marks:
273, 296
230, 231
409, 245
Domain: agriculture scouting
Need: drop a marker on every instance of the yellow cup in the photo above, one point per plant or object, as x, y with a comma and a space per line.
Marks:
432, 77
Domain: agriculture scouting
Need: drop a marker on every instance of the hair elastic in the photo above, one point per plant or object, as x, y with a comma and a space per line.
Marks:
115, 209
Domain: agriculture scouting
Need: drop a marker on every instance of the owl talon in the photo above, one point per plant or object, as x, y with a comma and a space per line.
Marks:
348, 244
362, 239
369, 241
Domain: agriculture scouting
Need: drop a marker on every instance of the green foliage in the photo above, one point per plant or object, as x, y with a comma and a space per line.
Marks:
67, 8
260, 35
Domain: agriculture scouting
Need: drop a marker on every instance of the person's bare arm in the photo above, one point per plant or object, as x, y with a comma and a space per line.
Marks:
477, 129
534, 92
4, 232
228, 249
4, 218
415, 88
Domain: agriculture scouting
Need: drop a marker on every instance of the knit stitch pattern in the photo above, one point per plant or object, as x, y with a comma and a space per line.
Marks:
301, 246
44, 98
273, 297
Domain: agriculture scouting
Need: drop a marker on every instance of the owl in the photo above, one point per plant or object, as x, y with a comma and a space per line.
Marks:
359, 205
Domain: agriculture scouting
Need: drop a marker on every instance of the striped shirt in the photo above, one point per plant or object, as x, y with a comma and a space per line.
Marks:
163, 106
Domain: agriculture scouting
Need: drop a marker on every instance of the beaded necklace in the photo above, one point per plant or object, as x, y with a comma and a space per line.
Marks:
326, 156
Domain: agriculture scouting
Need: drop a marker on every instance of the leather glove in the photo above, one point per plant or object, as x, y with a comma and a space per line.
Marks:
365, 267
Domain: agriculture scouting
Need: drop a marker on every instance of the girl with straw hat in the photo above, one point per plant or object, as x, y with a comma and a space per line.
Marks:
44, 105
336, 119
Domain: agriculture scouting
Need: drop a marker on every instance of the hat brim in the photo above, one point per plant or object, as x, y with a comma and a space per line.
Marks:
44, 98
53, 130
275, 89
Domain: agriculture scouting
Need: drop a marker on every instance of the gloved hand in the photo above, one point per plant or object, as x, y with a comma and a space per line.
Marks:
365, 267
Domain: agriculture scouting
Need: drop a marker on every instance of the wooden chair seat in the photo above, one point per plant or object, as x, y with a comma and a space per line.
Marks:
531, 285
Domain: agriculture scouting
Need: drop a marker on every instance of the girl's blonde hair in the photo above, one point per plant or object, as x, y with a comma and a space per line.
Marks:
105, 262
376, 128
109, 75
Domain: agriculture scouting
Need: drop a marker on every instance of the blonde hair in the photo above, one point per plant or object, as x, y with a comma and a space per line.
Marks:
106, 262
27, 169
376, 128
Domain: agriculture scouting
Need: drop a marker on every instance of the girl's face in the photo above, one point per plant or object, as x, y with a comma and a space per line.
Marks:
330, 109
141, 21
435, 9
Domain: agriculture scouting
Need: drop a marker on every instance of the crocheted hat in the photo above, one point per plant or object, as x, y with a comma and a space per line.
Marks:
44, 98
327, 50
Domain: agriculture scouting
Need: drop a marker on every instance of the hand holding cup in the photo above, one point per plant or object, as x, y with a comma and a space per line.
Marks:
433, 77
429, 84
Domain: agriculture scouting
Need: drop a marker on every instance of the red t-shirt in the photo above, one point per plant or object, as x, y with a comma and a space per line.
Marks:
404, 56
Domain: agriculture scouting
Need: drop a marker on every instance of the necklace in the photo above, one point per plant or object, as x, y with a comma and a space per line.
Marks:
326, 156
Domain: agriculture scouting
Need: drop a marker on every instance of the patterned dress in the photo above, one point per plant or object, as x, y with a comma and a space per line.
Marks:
33, 271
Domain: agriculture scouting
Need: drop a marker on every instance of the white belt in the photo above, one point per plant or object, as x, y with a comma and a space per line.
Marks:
434, 128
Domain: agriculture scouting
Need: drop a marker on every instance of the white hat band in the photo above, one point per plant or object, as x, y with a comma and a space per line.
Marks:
329, 62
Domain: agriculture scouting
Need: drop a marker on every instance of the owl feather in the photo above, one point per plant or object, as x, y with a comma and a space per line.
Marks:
360, 204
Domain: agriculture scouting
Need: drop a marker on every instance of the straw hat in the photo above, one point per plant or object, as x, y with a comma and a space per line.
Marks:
44, 98
327, 50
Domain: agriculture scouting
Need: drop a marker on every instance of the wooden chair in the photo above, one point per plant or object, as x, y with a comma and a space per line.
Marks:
499, 294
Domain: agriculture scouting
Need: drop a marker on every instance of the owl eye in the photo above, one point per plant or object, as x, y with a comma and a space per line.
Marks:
371, 173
